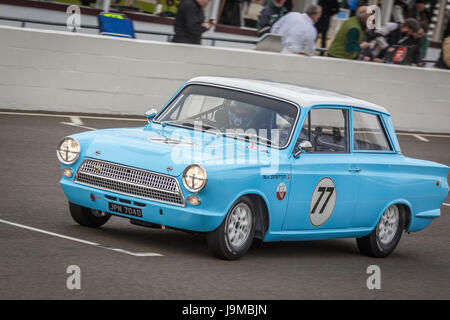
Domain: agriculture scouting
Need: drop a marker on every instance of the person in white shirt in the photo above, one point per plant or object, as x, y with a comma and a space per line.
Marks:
298, 31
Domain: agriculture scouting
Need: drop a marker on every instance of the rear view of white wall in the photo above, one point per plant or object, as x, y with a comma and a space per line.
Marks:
60, 71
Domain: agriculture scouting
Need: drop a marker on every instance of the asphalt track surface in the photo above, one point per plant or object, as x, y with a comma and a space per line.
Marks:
39, 241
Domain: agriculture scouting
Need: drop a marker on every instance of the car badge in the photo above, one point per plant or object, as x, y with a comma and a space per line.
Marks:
281, 191
97, 168
97, 152
169, 168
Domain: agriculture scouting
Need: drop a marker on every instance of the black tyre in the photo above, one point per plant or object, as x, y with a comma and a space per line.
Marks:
382, 241
232, 239
88, 217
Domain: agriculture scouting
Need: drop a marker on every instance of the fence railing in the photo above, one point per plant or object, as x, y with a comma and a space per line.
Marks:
169, 35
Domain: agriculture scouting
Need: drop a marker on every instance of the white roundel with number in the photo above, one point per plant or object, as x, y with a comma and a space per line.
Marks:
323, 201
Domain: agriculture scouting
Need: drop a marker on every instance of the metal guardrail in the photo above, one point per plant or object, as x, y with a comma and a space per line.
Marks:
24, 21
169, 35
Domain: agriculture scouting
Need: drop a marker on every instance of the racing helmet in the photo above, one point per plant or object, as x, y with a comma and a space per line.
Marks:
240, 114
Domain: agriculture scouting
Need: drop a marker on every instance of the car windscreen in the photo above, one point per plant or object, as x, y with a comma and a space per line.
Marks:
233, 113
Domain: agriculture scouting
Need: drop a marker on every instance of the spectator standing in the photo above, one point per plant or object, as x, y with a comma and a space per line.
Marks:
419, 12
346, 44
231, 13
329, 9
271, 13
298, 32
189, 22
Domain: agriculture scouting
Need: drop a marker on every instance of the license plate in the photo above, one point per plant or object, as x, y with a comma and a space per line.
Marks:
115, 207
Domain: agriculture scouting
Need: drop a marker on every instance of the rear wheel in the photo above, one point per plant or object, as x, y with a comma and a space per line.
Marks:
382, 241
88, 217
235, 235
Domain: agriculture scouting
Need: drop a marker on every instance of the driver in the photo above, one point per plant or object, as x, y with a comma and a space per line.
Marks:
240, 115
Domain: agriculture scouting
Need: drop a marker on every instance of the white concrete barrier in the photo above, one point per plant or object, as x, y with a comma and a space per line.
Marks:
68, 72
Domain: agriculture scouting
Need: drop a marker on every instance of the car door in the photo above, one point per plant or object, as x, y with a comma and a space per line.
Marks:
323, 182
377, 163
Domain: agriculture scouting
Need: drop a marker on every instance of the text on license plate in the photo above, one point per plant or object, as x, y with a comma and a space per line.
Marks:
115, 207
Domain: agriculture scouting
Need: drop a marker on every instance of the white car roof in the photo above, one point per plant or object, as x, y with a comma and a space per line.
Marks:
301, 95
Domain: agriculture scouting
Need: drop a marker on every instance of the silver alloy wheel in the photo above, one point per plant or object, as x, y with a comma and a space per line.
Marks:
238, 226
388, 225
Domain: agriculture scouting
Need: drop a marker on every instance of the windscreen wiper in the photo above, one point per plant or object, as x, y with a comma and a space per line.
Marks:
191, 123
247, 136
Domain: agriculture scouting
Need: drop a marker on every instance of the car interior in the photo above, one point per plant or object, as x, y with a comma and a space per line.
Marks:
325, 138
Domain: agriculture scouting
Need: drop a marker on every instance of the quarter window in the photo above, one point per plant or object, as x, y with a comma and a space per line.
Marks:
368, 132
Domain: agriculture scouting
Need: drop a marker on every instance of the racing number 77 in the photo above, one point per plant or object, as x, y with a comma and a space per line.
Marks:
323, 190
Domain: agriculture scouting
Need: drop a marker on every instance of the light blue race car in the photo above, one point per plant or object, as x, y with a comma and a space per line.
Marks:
236, 159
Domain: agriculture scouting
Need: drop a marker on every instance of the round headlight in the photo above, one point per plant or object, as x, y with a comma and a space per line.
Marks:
68, 150
194, 178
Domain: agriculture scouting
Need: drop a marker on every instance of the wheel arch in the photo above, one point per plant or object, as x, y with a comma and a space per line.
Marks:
405, 207
262, 215
262, 210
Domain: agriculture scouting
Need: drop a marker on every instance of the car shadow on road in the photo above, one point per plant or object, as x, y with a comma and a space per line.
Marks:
305, 249
169, 242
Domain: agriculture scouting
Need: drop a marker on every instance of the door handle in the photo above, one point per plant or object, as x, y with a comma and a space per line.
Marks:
355, 170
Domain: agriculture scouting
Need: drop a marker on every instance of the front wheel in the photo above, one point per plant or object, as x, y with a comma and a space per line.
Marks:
232, 239
382, 241
88, 217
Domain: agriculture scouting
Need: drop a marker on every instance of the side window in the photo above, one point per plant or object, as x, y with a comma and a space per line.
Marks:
368, 132
327, 130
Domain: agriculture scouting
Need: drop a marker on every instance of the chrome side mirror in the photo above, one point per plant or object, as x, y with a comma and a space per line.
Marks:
305, 145
150, 114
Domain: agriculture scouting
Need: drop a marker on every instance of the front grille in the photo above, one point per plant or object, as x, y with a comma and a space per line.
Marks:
130, 181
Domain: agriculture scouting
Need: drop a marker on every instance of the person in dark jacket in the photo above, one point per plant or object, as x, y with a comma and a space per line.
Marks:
403, 32
419, 12
231, 13
378, 42
271, 13
329, 9
189, 22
